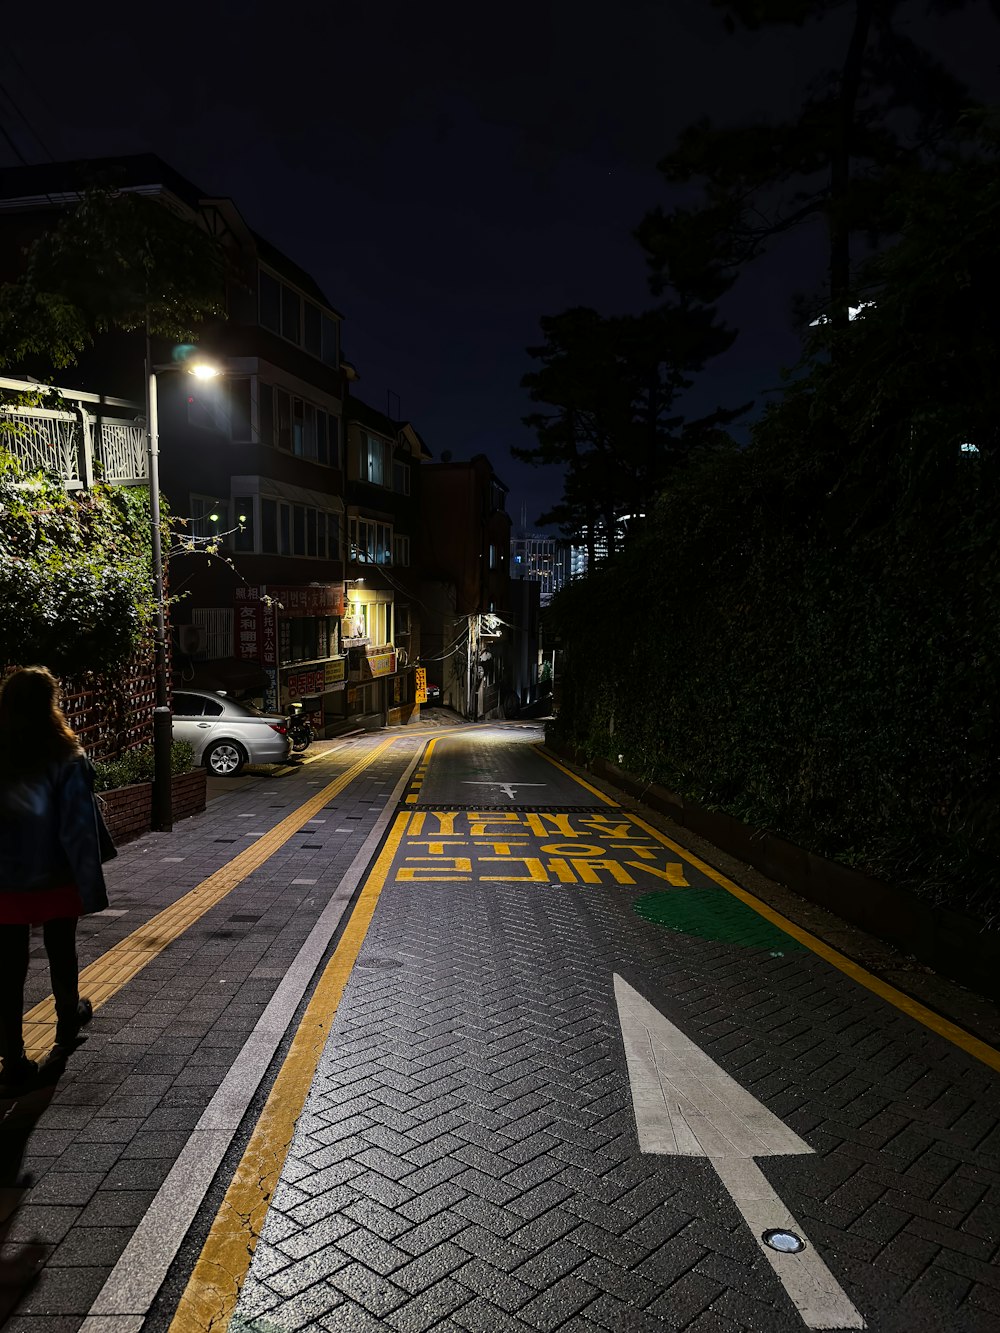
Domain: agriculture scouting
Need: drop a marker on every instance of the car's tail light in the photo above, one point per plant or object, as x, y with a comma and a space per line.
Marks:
279, 727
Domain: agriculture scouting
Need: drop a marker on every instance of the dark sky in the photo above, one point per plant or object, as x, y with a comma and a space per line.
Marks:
448, 174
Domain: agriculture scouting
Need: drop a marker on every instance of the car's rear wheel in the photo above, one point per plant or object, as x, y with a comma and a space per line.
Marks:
224, 759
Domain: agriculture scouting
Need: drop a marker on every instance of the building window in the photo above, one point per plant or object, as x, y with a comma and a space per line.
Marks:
269, 293
239, 410
291, 315
299, 427
269, 526
293, 529
377, 460
243, 537
287, 312
400, 550
401, 478
265, 412
493, 556
209, 518
371, 542
312, 327
283, 420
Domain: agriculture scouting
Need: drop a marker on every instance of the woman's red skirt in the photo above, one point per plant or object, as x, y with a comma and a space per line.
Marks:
35, 908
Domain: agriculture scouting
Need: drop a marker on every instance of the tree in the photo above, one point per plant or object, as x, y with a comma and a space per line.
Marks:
887, 109
613, 385
112, 262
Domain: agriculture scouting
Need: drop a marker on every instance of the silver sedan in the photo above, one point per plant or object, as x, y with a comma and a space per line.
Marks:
225, 734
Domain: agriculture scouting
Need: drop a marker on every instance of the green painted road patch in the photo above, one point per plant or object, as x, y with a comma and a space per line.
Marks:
713, 914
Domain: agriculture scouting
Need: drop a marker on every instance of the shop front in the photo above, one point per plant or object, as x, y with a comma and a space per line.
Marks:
379, 685
293, 633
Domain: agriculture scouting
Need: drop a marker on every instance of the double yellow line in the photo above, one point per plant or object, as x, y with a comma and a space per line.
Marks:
113, 970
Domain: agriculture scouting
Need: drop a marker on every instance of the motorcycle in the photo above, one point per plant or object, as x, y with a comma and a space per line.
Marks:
300, 732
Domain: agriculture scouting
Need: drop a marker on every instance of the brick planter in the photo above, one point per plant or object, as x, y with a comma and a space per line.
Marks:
955, 945
128, 810
188, 793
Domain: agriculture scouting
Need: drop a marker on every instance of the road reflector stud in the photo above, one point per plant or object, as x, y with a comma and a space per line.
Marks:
785, 1242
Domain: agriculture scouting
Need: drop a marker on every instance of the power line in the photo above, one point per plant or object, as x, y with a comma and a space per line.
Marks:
12, 56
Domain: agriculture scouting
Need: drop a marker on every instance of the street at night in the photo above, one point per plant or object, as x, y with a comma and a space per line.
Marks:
432, 1032
499, 661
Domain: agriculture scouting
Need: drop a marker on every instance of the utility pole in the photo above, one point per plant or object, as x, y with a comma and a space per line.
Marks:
470, 710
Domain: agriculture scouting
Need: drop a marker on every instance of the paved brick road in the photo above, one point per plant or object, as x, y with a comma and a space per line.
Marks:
467, 1155
467, 1159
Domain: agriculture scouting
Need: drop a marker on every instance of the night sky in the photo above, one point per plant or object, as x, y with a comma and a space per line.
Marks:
447, 173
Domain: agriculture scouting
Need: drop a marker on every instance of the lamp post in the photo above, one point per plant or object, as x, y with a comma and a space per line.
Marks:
162, 811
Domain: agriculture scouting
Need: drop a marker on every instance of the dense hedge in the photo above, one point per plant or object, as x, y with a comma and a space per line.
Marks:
841, 695
807, 632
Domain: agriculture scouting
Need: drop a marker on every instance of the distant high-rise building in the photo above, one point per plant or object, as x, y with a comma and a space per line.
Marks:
541, 558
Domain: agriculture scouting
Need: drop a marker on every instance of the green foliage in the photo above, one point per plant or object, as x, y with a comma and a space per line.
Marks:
136, 765
75, 587
884, 107
812, 636
109, 263
611, 386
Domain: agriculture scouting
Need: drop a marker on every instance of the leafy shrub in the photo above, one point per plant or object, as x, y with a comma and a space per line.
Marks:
136, 766
75, 586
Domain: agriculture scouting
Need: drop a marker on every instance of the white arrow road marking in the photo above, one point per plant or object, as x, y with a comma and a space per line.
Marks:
506, 787
685, 1105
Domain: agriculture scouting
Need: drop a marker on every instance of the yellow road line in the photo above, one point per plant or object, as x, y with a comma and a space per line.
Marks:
593, 790
109, 973
944, 1027
898, 999
218, 1275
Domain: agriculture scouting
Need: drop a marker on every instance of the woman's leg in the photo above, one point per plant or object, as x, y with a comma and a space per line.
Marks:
14, 942
60, 945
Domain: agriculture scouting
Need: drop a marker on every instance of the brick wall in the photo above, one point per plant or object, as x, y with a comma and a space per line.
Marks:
189, 793
128, 810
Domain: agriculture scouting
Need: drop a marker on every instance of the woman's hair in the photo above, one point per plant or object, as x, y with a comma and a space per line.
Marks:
33, 730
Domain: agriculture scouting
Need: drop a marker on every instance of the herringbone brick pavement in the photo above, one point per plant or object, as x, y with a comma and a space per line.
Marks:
467, 1157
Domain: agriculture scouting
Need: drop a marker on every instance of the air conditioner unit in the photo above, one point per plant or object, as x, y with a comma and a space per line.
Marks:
191, 640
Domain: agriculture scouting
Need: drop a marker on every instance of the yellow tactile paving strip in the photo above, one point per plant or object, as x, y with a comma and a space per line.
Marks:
417, 780
215, 1282
113, 970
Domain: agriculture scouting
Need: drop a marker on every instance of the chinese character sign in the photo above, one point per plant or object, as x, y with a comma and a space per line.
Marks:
247, 624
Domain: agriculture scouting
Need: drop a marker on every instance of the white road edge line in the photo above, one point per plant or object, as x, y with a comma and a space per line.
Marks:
133, 1284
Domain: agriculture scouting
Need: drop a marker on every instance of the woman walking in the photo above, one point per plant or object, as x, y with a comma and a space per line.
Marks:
50, 858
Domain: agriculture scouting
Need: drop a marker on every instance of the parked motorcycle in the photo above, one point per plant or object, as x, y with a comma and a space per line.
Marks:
300, 732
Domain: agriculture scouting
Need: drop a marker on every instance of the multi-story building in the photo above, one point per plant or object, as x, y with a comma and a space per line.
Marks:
543, 559
465, 589
251, 463
382, 625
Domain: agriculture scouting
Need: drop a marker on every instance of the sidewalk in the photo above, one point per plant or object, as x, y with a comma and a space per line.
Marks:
82, 1159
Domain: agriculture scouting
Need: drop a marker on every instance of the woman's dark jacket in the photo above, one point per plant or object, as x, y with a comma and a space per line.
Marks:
48, 833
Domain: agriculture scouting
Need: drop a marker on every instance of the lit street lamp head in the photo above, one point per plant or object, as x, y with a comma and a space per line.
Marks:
203, 370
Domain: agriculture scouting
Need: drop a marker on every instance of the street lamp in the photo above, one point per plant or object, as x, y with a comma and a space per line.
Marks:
162, 811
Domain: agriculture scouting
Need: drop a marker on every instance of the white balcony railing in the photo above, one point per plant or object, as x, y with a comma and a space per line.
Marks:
121, 452
44, 440
77, 443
